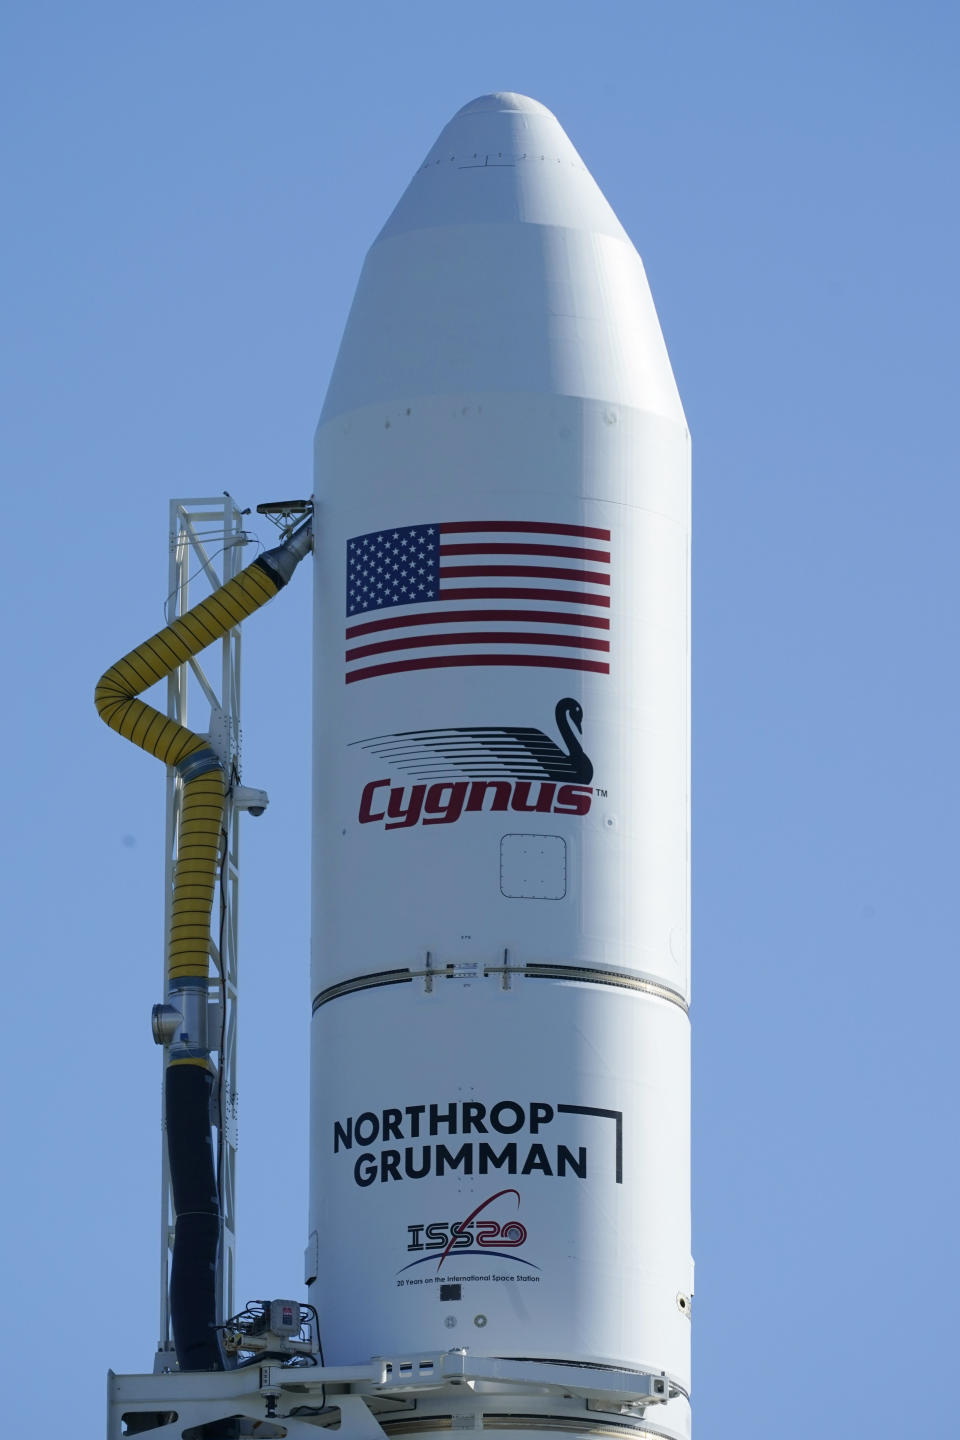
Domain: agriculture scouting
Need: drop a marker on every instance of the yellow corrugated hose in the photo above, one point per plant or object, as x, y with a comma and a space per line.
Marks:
189, 1075
201, 818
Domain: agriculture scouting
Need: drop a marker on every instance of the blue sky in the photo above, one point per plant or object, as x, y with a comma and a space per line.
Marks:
189, 192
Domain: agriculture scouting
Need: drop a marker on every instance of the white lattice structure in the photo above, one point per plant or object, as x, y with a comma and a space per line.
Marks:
207, 542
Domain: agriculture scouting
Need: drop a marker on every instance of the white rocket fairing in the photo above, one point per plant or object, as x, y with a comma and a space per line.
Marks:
500, 1082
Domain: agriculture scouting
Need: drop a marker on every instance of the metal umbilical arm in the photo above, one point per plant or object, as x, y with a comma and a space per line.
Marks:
189, 1075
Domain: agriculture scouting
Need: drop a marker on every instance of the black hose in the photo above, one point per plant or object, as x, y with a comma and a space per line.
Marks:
193, 1271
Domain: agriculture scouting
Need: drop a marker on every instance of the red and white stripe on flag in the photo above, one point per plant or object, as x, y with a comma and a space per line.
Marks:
478, 592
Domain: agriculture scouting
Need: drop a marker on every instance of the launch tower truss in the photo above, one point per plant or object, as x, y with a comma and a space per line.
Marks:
207, 540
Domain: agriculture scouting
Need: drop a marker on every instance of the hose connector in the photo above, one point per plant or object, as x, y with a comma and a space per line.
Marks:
197, 763
165, 1021
284, 559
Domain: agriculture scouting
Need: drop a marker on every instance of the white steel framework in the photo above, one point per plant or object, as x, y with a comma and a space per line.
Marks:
400, 1395
206, 550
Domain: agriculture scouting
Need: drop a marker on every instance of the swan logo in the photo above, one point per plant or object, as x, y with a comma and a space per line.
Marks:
456, 771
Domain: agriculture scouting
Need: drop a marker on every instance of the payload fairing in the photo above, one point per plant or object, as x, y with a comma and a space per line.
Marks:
500, 1131
500, 1093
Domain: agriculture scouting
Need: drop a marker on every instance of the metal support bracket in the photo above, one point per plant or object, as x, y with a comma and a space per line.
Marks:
287, 1394
424, 1373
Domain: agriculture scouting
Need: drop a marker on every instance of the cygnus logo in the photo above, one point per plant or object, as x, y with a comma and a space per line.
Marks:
463, 769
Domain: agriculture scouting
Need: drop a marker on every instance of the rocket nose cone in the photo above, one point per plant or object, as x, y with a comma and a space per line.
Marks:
504, 100
503, 158
503, 269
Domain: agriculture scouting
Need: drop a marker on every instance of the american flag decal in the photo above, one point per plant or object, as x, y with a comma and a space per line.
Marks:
478, 592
